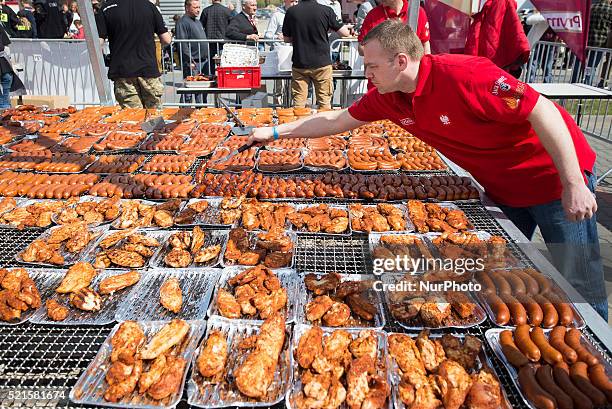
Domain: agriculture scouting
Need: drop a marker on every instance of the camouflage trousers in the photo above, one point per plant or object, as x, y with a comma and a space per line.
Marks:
139, 92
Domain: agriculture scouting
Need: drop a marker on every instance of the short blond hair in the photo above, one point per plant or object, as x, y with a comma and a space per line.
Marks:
396, 37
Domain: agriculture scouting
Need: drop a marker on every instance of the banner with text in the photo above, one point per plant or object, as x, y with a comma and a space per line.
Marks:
569, 19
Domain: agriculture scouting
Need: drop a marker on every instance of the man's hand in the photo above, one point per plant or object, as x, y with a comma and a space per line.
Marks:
252, 37
261, 136
578, 202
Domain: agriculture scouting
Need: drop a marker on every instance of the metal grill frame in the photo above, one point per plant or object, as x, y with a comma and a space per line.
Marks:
49, 359
45, 359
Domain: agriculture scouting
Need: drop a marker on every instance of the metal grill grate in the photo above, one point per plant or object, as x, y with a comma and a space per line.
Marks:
40, 364
50, 359
321, 254
482, 220
13, 241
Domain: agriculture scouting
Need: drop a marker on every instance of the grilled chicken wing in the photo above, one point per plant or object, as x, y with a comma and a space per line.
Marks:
227, 304
167, 337
255, 375
153, 375
197, 239
178, 258
118, 282
125, 258
207, 254
432, 353
171, 296
319, 286
171, 379
117, 391
453, 383
309, 347
213, 356
56, 311
338, 315
485, 392
77, 277
365, 344
86, 299
126, 341
114, 238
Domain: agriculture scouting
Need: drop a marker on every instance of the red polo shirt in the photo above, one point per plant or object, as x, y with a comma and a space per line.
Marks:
476, 114
381, 13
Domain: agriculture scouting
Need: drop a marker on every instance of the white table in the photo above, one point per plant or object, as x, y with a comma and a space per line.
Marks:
571, 91
574, 91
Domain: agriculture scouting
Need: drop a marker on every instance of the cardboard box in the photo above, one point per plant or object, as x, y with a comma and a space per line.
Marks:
52, 101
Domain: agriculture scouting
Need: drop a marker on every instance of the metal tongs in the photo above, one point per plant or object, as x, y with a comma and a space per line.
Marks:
153, 124
240, 130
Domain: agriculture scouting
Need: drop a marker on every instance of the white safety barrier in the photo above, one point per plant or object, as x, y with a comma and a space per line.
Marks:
55, 67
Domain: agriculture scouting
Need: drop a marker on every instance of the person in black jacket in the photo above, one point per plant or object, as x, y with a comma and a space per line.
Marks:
242, 26
50, 19
27, 23
215, 20
8, 18
9, 81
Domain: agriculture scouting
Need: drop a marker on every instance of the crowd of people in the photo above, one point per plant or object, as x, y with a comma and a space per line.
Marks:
49, 19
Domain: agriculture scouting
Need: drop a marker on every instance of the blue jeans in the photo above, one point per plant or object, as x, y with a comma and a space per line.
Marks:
548, 59
6, 80
590, 69
574, 247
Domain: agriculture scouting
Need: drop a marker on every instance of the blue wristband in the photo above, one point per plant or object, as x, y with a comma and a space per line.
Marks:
275, 132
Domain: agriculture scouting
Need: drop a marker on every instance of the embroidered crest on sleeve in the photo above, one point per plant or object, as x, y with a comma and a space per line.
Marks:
511, 96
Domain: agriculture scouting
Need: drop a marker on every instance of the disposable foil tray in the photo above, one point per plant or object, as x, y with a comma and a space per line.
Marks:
196, 286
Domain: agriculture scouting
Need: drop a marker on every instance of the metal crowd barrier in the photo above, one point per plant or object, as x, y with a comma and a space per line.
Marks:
179, 63
555, 63
62, 67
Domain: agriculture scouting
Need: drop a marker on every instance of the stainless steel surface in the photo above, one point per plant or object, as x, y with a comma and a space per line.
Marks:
211, 238
382, 363
492, 338
69, 258
108, 306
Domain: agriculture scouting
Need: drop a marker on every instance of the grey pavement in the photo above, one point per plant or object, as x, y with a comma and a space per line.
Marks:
604, 214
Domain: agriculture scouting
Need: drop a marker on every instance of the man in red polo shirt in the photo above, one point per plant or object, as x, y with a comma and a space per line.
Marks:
526, 151
395, 10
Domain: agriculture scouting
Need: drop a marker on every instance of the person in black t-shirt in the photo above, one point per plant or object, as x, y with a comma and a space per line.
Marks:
306, 26
50, 19
129, 26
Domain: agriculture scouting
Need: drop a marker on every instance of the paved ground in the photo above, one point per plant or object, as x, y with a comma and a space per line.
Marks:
604, 215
